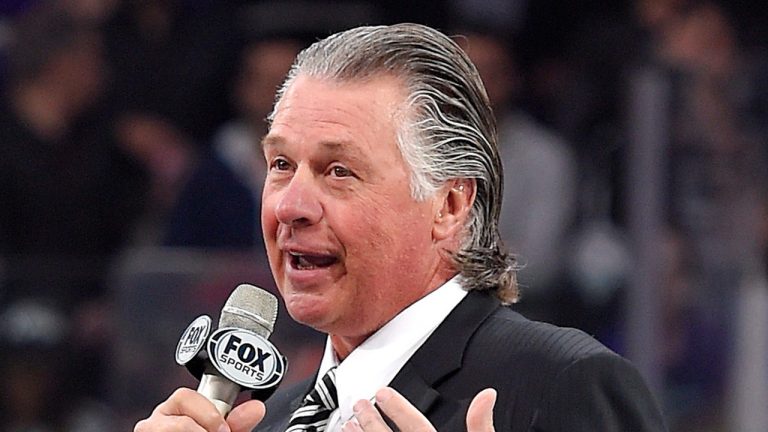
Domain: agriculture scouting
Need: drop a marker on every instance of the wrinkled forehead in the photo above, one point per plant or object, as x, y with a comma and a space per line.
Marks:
382, 98
312, 109
398, 79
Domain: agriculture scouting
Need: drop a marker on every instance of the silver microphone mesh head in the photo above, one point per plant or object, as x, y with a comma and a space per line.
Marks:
250, 308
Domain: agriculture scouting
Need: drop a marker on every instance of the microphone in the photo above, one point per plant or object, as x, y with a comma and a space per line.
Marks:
238, 355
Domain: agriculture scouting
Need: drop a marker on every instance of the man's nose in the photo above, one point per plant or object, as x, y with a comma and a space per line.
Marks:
299, 204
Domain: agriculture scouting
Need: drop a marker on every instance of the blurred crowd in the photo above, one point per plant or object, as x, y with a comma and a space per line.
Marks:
134, 124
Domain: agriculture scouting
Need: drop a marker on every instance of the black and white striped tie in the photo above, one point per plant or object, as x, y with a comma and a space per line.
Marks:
317, 406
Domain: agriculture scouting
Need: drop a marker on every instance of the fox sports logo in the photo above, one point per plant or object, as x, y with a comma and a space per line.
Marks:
246, 358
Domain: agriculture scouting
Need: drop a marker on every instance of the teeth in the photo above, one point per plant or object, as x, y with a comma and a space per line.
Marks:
302, 263
309, 262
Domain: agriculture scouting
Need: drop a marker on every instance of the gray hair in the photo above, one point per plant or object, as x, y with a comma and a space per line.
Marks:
449, 132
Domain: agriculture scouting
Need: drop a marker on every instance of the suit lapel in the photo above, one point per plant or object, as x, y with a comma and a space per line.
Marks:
443, 351
439, 356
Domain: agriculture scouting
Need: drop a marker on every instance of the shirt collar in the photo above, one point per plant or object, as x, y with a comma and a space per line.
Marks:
374, 363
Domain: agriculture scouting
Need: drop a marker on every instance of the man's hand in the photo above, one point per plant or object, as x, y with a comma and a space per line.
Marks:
188, 411
409, 419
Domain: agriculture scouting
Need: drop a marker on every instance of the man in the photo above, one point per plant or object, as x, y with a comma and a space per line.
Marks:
380, 215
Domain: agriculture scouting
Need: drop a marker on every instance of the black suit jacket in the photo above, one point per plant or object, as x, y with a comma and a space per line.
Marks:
548, 378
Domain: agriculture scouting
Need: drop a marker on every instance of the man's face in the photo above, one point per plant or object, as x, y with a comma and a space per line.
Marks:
348, 246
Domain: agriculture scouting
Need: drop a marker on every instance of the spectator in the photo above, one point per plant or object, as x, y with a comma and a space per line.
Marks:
715, 186
173, 57
67, 190
68, 195
220, 203
540, 170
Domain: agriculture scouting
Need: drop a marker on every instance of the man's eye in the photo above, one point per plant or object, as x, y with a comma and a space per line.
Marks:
340, 171
280, 164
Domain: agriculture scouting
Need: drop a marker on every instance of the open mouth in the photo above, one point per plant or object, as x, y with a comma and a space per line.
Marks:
302, 261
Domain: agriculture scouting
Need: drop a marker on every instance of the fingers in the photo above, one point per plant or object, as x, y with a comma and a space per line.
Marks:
184, 411
398, 409
368, 419
408, 418
480, 412
187, 402
351, 426
168, 424
244, 417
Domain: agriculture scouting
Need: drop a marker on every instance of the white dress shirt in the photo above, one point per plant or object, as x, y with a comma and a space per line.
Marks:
374, 363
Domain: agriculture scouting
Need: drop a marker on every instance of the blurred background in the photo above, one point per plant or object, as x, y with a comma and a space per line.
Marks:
634, 135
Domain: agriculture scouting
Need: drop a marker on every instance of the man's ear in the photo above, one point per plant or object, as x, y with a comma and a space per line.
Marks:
457, 198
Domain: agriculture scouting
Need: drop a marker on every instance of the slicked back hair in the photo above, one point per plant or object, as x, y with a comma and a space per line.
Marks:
448, 131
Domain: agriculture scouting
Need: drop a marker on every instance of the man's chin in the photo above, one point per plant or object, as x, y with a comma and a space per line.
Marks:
308, 310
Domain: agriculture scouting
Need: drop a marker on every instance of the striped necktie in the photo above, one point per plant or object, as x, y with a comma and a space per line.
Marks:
317, 406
